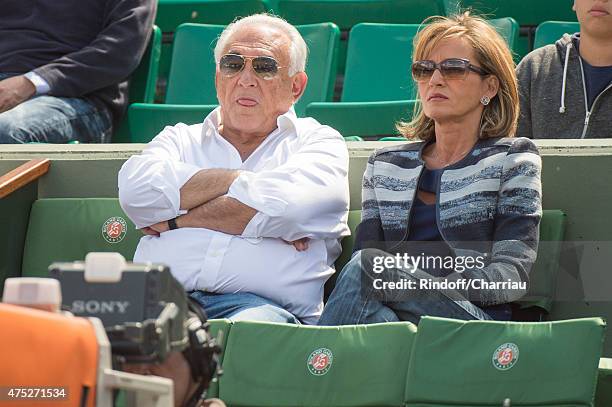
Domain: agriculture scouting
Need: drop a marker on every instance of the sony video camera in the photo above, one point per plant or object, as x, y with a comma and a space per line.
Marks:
145, 311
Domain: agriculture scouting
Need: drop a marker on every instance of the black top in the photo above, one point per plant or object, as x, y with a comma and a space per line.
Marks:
82, 48
596, 78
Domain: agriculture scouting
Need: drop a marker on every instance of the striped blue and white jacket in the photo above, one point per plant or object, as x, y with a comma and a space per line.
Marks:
489, 204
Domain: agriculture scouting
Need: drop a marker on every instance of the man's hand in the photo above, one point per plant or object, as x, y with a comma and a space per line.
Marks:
300, 244
155, 230
14, 91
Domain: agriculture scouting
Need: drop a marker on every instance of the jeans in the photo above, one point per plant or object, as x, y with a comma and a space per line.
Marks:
51, 119
242, 307
350, 304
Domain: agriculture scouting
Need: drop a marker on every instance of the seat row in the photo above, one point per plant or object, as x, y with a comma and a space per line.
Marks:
100, 225
377, 88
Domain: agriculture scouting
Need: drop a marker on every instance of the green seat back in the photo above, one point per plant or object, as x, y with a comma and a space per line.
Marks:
269, 364
364, 119
192, 73
146, 120
550, 31
508, 28
172, 13
482, 363
142, 82
347, 13
527, 13
378, 63
66, 229
379, 55
543, 276
216, 326
322, 40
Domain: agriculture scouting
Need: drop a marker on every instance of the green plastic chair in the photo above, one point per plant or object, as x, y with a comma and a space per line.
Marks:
146, 120
192, 78
542, 278
66, 229
142, 82
508, 28
527, 13
172, 13
379, 92
347, 13
482, 363
283, 365
550, 31
362, 119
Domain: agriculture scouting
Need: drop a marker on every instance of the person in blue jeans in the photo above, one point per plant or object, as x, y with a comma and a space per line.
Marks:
64, 69
449, 224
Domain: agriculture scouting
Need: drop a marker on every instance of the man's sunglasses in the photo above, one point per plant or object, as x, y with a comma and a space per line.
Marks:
265, 67
452, 68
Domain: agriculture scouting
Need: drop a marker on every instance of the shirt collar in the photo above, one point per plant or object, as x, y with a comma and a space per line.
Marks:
286, 121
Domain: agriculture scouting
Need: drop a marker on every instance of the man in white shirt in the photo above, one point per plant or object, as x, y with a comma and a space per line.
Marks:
247, 208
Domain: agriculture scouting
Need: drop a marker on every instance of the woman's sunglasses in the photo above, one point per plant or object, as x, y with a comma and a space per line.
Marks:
452, 68
265, 67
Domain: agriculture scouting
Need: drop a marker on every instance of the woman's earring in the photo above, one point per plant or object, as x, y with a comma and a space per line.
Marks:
485, 100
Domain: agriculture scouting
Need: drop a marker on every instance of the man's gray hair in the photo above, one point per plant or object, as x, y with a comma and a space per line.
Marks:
298, 51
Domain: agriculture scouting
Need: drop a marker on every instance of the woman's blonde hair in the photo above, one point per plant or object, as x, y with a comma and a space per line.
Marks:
499, 118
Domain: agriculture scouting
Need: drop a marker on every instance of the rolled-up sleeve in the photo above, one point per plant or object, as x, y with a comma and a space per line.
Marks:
150, 183
307, 196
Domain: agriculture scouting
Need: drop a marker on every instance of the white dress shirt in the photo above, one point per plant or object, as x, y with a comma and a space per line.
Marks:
297, 180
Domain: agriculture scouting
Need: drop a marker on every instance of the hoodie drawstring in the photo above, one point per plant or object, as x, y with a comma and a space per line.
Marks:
567, 54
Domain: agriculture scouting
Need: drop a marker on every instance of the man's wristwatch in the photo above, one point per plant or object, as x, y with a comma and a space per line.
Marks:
172, 224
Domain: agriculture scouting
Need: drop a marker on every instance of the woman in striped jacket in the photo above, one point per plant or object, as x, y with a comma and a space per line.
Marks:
449, 224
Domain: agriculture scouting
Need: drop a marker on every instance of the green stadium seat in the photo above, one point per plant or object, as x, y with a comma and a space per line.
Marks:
142, 82
147, 120
377, 93
550, 31
172, 13
508, 28
269, 364
527, 13
482, 363
543, 276
347, 13
192, 78
362, 119
66, 229
378, 63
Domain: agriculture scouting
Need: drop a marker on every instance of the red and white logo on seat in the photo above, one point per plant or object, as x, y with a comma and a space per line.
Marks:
319, 362
114, 229
505, 356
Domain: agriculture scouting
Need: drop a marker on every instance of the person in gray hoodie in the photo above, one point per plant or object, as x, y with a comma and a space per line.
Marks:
566, 88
